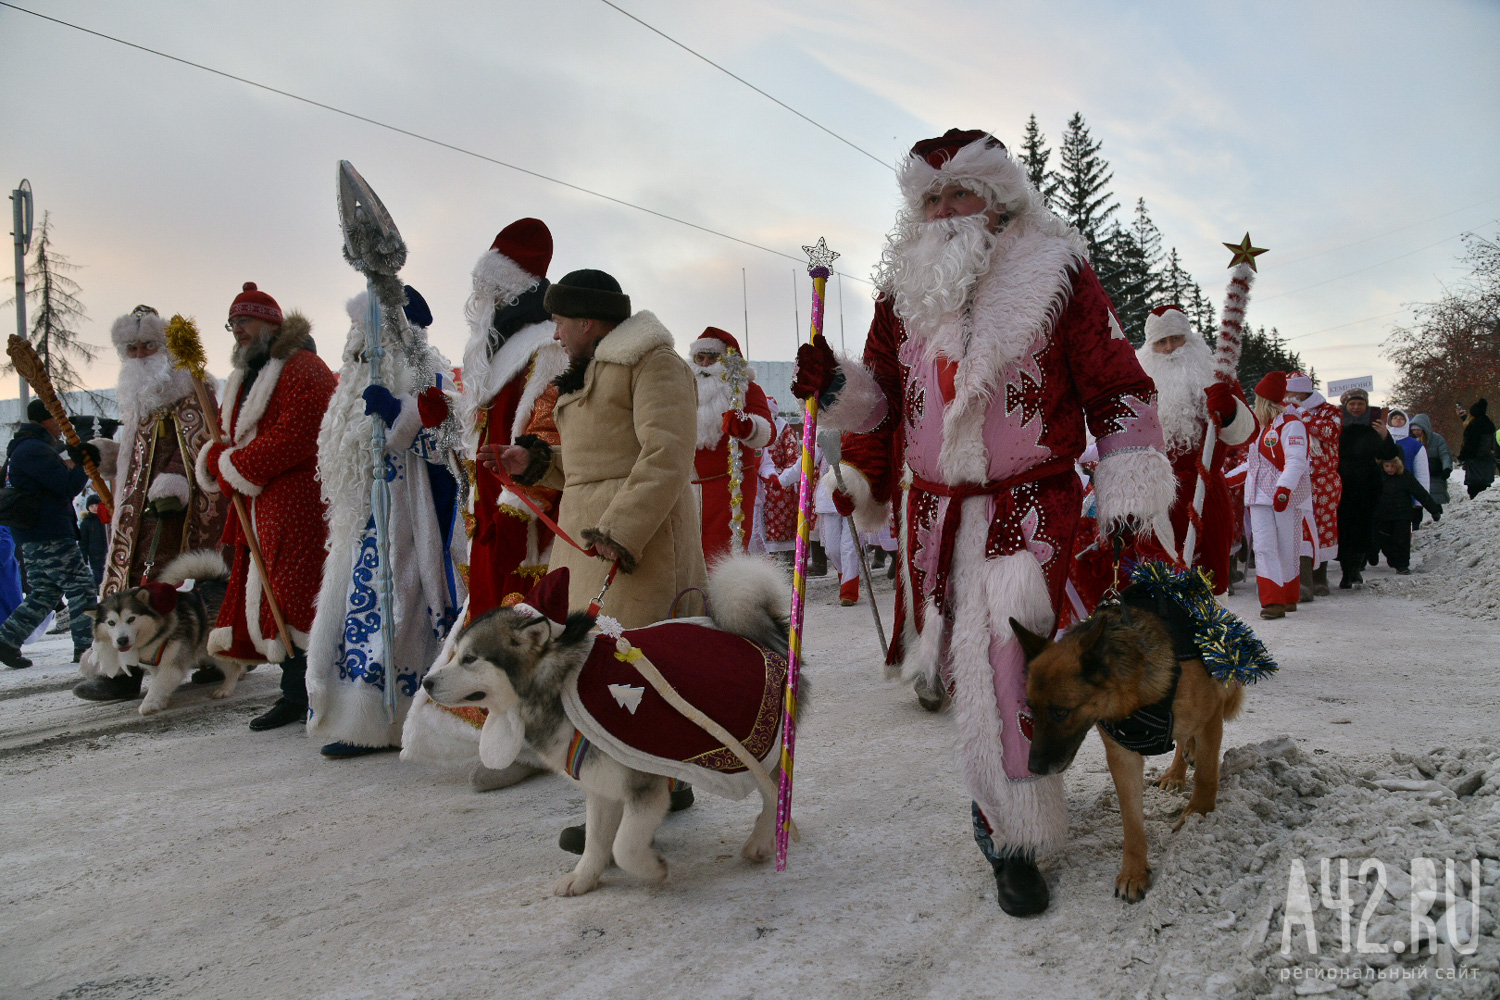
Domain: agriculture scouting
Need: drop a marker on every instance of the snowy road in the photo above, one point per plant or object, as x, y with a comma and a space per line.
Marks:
185, 856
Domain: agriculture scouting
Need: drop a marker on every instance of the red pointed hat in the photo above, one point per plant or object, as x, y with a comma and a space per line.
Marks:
528, 242
256, 304
714, 339
549, 598
1272, 387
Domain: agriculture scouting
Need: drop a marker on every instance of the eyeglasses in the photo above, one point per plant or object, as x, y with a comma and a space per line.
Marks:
235, 321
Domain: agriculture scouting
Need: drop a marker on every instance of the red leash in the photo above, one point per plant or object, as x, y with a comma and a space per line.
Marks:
510, 484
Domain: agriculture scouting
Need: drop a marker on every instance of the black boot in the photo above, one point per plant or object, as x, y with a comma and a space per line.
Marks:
1023, 891
125, 687
817, 561
283, 713
572, 839
11, 657
681, 797
209, 673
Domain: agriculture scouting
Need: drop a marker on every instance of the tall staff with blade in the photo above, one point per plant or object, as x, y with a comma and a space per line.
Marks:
820, 262
373, 247
1226, 369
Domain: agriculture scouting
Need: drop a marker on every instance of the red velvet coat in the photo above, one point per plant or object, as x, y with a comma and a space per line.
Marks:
711, 466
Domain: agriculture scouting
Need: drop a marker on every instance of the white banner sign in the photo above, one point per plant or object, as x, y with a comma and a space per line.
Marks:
1343, 385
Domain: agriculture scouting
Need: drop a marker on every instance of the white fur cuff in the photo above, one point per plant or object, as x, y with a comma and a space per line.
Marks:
242, 485
200, 466
514, 505
169, 484
868, 515
1241, 428
408, 424
860, 404
760, 436
1136, 485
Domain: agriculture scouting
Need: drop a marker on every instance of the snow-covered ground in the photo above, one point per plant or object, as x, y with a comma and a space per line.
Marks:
185, 856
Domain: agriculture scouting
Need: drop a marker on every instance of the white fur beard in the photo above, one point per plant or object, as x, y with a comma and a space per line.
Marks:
148, 383
1180, 379
932, 268
714, 400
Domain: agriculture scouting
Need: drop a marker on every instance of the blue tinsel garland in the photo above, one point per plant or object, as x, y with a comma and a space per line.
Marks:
1229, 648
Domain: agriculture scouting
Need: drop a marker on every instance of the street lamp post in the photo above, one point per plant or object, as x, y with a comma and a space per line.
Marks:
21, 216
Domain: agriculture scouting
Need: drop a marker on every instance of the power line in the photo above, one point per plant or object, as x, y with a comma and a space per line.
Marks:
1357, 322
1278, 265
736, 76
1317, 284
410, 134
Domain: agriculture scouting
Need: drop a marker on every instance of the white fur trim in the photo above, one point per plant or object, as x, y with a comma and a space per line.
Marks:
510, 502
501, 279
1242, 428
860, 404
991, 166
246, 417
169, 484
431, 735
200, 466
1136, 485
485, 376
868, 515
549, 362
400, 435
1172, 323
132, 329
703, 344
220, 639
923, 649
761, 436
631, 340
233, 476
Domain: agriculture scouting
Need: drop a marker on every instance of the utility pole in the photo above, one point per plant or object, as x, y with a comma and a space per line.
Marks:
843, 345
20, 212
796, 312
745, 298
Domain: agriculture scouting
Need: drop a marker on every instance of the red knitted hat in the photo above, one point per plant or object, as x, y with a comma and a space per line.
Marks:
1273, 387
256, 304
528, 242
714, 339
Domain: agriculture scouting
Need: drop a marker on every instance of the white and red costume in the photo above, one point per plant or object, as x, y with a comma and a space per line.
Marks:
722, 425
971, 404
1181, 377
782, 490
1278, 495
1324, 423
271, 417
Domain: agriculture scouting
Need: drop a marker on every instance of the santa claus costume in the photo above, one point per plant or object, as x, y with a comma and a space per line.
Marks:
273, 404
161, 509
1324, 423
780, 487
1186, 395
348, 664
510, 361
732, 414
1278, 495
992, 348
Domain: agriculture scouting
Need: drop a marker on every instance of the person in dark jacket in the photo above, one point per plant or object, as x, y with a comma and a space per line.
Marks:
93, 536
1363, 443
49, 540
1478, 453
1439, 458
1398, 488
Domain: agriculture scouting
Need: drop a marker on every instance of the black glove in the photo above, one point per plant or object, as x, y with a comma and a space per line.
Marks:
81, 450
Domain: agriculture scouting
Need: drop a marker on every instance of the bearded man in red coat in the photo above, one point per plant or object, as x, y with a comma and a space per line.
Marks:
272, 407
732, 414
1181, 364
992, 348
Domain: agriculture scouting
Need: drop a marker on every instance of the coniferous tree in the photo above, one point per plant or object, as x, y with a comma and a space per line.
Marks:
1266, 352
1083, 195
1200, 310
1148, 240
1122, 270
1034, 156
56, 312
1174, 286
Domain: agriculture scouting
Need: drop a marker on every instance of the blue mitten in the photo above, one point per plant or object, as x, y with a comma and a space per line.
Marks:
379, 402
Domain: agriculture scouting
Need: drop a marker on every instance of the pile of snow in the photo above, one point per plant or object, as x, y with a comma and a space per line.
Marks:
1212, 923
1459, 569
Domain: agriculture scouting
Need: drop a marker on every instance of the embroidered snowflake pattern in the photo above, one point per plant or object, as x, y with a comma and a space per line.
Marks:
1024, 394
609, 626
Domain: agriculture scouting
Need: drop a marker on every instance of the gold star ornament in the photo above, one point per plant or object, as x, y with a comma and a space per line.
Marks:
1244, 253
820, 256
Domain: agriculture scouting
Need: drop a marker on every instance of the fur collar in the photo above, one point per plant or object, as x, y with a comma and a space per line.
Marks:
484, 377
240, 420
633, 339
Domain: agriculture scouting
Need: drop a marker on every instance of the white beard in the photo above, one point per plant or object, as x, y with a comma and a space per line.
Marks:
1180, 379
932, 267
147, 384
714, 400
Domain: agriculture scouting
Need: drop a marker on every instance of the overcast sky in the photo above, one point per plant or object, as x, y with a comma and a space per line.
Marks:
1356, 140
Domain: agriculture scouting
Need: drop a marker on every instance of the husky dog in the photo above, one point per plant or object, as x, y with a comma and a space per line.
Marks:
164, 631
507, 661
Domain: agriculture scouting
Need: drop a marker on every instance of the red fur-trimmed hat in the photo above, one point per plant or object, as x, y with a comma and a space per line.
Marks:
1298, 382
528, 242
549, 598
255, 303
964, 156
716, 340
1272, 387
1167, 321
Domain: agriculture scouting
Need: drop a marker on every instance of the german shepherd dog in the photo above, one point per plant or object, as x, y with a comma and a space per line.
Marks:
505, 659
1104, 669
129, 632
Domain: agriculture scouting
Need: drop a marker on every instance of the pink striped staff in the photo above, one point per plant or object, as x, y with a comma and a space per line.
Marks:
820, 262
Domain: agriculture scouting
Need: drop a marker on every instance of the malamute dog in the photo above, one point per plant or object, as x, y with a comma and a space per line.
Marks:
507, 660
131, 631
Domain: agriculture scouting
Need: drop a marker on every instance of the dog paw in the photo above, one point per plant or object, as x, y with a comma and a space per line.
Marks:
151, 708
575, 884
220, 693
1191, 810
1172, 782
1131, 886
758, 850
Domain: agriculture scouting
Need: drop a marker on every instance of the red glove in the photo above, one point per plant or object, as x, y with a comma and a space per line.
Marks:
1222, 401
843, 503
816, 368
738, 426
1283, 497
432, 406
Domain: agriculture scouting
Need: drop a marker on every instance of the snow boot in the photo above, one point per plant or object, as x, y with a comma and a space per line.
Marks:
572, 839
207, 674
1271, 611
283, 713
681, 796
125, 687
487, 779
1023, 891
877, 557
1308, 586
11, 657
817, 561
931, 699
339, 750
1320, 580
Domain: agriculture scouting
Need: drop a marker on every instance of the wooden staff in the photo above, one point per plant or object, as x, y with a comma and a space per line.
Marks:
30, 367
187, 353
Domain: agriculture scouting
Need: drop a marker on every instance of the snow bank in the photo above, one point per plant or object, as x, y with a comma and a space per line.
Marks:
1212, 923
1460, 558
